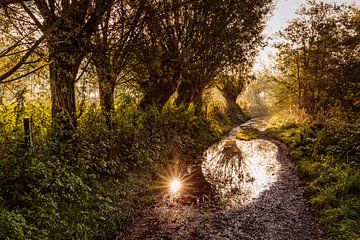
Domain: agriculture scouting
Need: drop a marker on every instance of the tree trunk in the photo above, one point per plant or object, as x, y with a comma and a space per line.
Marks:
64, 65
185, 93
63, 96
162, 83
106, 89
190, 92
158, 96
197, 100
158, 92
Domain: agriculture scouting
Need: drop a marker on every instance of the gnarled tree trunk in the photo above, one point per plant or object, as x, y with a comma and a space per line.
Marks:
107, 89
161, 84
158, 94
65, 58
190, 92
185, 93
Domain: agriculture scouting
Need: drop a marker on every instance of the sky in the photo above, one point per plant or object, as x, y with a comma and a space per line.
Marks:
283, 13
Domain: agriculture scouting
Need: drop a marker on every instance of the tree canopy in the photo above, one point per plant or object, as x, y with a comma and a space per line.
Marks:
319, 58
171, 46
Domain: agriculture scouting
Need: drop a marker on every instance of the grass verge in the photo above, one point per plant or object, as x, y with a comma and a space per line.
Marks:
328, 157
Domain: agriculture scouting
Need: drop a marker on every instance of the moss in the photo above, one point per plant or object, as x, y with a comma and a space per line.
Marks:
247, 134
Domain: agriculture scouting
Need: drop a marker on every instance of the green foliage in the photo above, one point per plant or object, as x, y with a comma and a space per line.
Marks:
230, 36
328, 157
247, 134
318, 66
13, 225
91, 187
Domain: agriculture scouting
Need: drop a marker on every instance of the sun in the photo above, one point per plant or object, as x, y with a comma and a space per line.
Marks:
174, 180
175, 186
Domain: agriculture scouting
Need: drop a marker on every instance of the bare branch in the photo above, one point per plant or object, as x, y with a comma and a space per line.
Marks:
26, 74
23, 60
32, 16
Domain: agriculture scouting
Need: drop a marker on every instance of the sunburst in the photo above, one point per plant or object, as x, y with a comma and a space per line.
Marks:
174, 180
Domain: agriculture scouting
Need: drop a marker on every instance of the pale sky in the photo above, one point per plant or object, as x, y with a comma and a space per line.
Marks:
285, 11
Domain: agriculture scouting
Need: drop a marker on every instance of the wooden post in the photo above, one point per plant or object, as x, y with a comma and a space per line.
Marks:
28, 130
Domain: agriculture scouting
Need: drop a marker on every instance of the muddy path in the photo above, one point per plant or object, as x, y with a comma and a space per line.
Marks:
263, 197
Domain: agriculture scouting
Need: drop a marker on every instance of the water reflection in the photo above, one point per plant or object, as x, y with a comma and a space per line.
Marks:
241, 170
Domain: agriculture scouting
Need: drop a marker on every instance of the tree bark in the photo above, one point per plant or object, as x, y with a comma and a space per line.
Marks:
160, 87
185, 93
190, 92
65, 60
158, 95
106, 89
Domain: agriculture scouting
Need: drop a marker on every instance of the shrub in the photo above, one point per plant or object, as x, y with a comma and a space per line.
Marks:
93, 186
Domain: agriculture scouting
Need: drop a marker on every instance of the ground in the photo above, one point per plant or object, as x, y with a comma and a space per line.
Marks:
276, 210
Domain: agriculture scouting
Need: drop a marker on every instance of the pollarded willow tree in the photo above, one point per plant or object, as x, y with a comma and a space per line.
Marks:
181, 45
185, 44
66, 26
113, 49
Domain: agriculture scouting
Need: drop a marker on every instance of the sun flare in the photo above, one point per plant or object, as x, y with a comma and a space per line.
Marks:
175, 180
175, 185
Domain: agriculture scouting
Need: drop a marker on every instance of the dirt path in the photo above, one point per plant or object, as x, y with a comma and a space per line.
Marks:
279, 211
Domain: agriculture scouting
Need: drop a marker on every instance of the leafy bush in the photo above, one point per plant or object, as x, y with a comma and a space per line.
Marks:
91, 187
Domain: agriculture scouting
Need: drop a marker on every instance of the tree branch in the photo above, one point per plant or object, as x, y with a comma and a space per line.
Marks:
25, 75
23, 59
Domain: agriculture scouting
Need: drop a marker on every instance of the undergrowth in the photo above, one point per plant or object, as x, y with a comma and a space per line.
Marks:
328, 157
92, 187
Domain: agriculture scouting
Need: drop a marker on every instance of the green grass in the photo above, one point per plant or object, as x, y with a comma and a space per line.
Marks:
328, 158
247, 134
